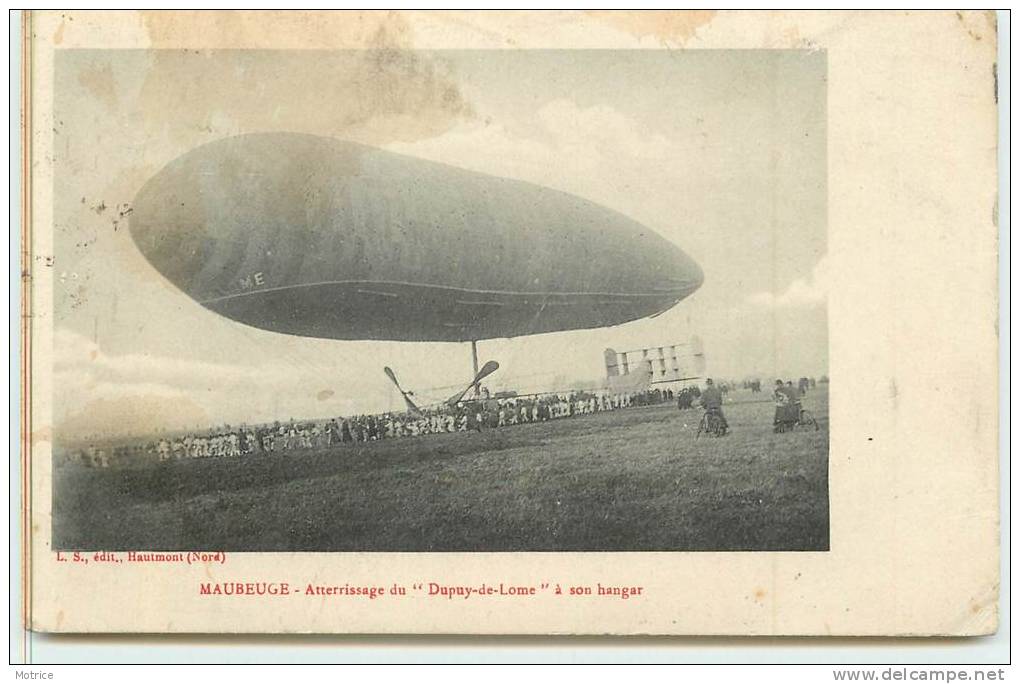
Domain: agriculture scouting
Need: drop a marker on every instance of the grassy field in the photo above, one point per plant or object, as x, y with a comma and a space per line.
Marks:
629, 480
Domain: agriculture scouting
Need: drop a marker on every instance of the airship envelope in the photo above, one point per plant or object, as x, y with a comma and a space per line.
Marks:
313, 236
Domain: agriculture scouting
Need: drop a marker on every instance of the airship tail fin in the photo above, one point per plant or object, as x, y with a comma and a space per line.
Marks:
411, 406
488, 369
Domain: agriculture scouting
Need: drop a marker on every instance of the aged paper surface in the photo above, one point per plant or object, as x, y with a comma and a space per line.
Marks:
834, 175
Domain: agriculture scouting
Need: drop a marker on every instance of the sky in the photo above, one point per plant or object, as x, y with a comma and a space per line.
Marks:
722, 152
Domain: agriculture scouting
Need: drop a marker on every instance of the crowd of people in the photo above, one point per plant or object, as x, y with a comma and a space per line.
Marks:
292, 436
474, 415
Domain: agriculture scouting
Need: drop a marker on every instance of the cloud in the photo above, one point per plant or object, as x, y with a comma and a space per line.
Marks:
82, 363
506, 154
603, 128
585, 150
802, 292
109, 395
103, 394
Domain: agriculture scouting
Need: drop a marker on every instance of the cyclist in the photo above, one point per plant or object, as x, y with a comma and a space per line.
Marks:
795, 393
787, 407
711, 401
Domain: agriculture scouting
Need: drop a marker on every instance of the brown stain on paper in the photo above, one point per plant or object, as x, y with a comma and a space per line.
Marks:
978, 24
280, 29
666, 26
383, 92
99, 83
43, 434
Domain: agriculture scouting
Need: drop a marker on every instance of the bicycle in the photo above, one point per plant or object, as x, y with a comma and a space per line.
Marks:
712, 423
806, 421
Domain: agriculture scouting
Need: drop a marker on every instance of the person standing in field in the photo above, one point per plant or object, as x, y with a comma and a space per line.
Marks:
712, 400
787, 406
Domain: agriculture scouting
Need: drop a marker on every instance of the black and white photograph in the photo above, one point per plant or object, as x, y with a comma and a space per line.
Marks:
440, 300
626, 329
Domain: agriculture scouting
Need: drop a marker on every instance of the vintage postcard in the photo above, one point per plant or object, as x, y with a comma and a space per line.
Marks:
511, 322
